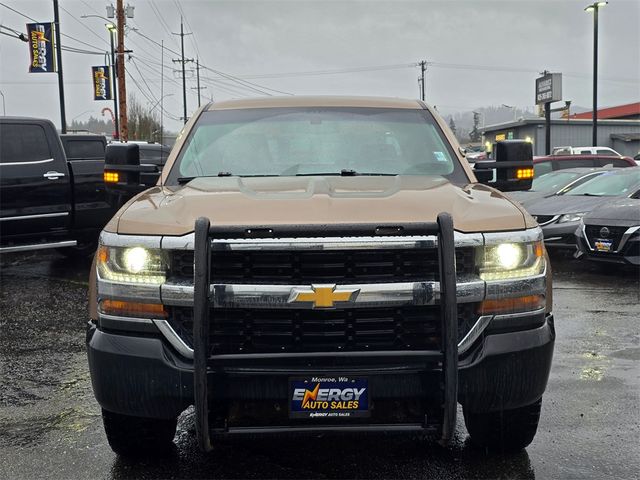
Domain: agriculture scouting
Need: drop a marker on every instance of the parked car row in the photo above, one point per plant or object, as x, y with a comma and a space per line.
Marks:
596, 211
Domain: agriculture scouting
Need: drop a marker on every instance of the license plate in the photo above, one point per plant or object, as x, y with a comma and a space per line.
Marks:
329, 397
603, 245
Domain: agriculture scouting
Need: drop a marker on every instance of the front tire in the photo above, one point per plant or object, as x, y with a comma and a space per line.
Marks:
506, 430
135, 436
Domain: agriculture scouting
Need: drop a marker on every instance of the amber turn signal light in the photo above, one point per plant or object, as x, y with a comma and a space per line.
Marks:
524, 173
111, 177
511, 305
132, 309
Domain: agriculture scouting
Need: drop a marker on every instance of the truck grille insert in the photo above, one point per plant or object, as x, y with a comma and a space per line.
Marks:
322, 266
234, 331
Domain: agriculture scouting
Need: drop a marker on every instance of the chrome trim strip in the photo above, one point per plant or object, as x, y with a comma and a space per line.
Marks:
185, 242
510, 316
41, 246
173, 338
586, 239
497, 289
127, 291
529, 235
623, 241
39, 215
35, 162
548, 222
473, 334
278, 296
146, 321
115, 240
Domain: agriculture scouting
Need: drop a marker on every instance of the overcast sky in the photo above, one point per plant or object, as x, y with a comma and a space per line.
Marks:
483, 52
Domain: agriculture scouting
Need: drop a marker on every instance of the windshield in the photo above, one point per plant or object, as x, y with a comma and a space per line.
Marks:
316, 141
552, 182
610, 184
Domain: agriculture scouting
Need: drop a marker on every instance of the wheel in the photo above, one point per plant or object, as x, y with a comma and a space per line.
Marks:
133, 436
506, 430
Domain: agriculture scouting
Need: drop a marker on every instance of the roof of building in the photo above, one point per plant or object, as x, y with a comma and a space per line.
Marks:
573, 122
620, 111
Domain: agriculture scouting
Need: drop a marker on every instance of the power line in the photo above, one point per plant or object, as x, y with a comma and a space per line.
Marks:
236, 79
336, 71
22, 37
36, 21
84, 26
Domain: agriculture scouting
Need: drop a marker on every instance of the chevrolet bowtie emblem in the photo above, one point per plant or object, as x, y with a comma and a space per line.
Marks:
323, 296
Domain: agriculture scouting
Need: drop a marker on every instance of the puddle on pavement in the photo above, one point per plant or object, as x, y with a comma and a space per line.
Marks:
592, 373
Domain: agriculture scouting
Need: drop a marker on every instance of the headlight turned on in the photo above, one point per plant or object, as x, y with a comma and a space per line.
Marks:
570, 217
505, 261
132, 265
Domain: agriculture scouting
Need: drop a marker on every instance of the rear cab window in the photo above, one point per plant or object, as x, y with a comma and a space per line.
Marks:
84, 149
23, 143
153, 155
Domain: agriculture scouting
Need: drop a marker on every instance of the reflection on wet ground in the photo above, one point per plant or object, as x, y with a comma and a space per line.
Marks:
50, 425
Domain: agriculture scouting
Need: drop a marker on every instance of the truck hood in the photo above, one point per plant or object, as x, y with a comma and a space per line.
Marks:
236, 201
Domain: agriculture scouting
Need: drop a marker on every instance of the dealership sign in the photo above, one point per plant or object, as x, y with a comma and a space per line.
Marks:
41, 47
549, 88
101, 83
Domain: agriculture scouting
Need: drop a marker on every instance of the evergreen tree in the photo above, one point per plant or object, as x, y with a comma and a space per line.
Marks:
452, 126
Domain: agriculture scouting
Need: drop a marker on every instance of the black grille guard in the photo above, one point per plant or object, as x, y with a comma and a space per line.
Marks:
202, 313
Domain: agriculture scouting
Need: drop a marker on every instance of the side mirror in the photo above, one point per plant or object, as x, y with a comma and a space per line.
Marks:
124, 177
511, 169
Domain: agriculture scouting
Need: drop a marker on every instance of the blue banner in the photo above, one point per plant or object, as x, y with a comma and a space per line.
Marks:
101, 82
42, 47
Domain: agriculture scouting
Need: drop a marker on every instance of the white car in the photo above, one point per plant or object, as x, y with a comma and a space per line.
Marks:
585, 151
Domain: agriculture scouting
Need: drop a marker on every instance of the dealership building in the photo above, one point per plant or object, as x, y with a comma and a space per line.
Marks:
618, 128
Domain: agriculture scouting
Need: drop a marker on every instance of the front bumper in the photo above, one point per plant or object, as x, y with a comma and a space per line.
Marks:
560, 236
142, 375
626, 254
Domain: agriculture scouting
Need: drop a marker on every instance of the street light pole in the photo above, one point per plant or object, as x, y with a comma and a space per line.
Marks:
594, 7
4, 108
112, 31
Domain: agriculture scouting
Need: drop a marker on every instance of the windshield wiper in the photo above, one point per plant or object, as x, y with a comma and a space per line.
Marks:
591, 195
183, 180
345, 172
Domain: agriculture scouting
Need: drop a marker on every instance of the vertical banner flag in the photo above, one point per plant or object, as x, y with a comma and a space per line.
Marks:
101, 83
41, 47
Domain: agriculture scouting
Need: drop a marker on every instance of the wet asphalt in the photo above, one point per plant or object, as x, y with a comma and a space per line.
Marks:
50, 425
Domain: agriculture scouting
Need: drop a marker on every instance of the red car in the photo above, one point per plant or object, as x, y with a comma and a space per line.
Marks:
550, 163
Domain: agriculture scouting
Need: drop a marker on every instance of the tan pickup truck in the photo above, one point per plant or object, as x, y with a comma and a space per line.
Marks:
320, 264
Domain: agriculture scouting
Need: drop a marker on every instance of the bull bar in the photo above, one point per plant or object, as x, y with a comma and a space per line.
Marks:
203, 313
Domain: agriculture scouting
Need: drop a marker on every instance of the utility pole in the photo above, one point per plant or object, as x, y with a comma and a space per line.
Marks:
56, 19
161, 91
122, 88
114, 69
198, 88
183, 61
423, 69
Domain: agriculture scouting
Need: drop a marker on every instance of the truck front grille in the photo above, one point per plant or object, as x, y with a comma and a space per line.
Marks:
234, 331
322, 266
